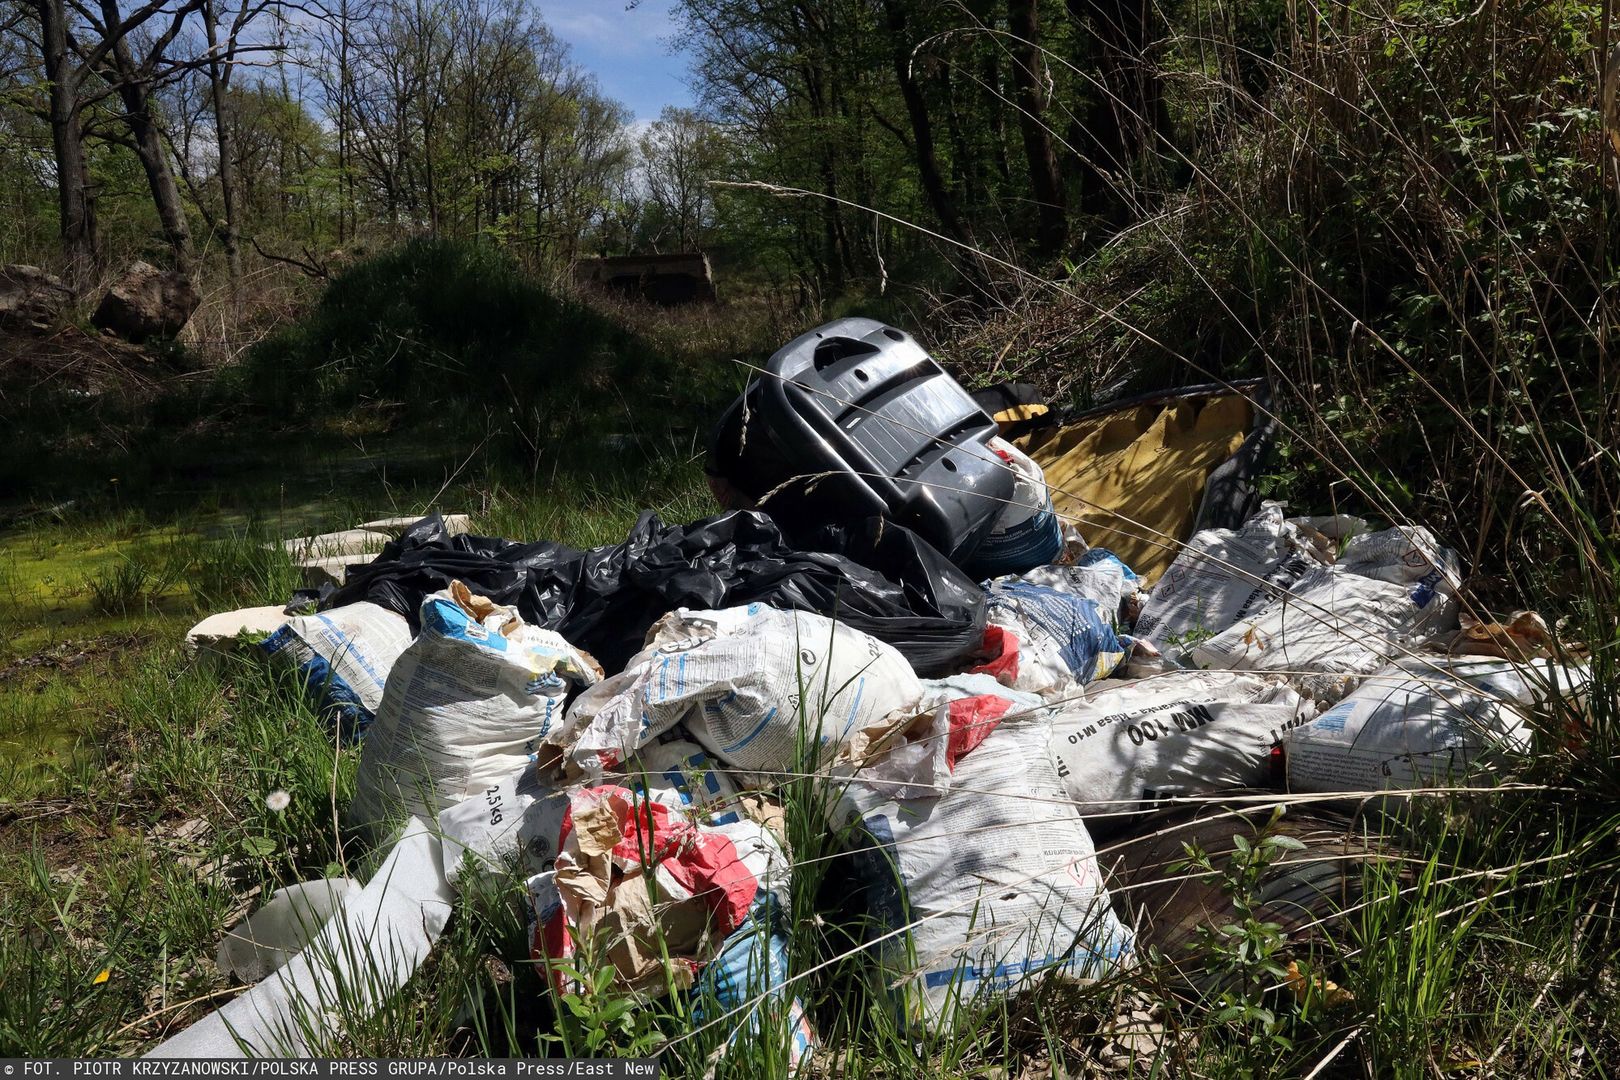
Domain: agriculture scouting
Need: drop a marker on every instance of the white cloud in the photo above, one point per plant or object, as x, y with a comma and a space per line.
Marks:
610, 25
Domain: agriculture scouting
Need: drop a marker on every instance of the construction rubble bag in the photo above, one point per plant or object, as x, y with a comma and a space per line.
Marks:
749, 976
1223, 575
1428, 721
642, 888
1410, 556
984, 888
744, 681
511, 821
680, 774
1048, 641
464, 706
872, 574
668, 902
520, 818
973, 706
343, 656
1097, 575
1128, 744
1338, 623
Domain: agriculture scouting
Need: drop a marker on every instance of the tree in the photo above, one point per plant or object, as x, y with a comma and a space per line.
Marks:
680, 153
224, 38
132, 76
922, 130
63, 78
1029, 81
1127, 109
85, 54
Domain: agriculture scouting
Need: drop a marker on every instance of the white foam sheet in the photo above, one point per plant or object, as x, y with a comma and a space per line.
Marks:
384, 932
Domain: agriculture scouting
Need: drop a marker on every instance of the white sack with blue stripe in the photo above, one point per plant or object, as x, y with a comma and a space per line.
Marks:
744, 681
464, 707
343, 657
1432, 721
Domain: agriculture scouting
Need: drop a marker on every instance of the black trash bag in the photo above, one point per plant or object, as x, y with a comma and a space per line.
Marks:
873, 575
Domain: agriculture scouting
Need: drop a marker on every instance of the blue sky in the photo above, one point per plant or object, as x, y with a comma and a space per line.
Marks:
627, 50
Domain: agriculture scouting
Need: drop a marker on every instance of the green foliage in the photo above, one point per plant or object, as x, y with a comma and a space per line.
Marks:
129, 585
245, 568
1410, 243
458, 335
1244, 955
597, 1021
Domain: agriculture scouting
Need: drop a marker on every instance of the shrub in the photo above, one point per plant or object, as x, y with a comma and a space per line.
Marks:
444, 326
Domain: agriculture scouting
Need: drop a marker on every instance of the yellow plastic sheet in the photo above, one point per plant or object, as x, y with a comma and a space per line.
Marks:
1132, 479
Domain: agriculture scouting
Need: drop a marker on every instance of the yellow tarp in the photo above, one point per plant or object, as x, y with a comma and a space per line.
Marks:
1132, 480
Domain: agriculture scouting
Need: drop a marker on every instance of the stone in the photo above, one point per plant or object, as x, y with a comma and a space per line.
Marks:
31, 300
217, 634
147, 302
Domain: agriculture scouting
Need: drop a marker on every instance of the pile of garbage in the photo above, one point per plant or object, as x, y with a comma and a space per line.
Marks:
893, 628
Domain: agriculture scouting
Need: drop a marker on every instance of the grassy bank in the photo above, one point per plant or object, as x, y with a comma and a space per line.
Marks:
135, 827
134, 822
1486, 948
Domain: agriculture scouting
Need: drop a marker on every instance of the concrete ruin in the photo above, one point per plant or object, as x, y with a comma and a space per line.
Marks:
679, 277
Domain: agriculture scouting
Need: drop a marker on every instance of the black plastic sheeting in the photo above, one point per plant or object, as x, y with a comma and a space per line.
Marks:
873, 575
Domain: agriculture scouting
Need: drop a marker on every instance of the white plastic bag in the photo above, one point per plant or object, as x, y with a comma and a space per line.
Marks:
1221, 576
343, 657
1047, 641
1182, 733
996, 882
735, 679
464, 706
1334, 628
276, 933
1425, 721
1411, 557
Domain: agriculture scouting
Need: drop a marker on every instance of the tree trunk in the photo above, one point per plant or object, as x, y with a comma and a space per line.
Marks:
1028, 76
1129, 110
969, 174
922, 129
990, 74
72, 176
836, 253
153, 155
219, 76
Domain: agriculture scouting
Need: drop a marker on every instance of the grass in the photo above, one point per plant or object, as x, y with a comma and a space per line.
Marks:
135, 780
138, 830
136, 827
